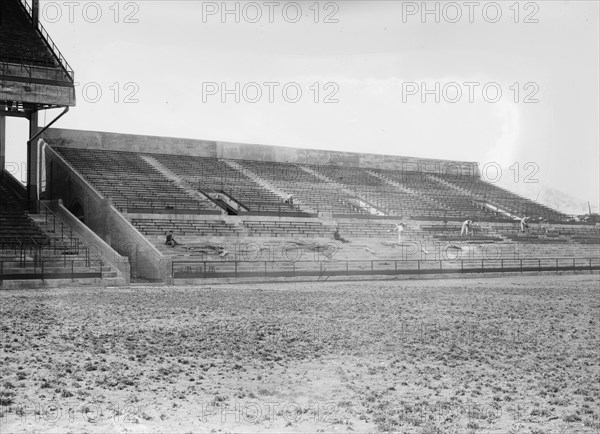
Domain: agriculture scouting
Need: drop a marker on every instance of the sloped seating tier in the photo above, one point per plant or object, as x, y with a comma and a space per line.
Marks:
16, 228
19, 42
132, 183
309, 189
29, 249
389, 199
509, 201
22, 238
450, 202
213, 175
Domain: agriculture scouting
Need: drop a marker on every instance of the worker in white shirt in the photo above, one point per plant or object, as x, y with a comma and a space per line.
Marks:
524, 224
465, 227
400, 227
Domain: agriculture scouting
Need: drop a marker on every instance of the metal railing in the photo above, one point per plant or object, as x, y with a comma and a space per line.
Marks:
64, 240
28, 249
36, 269
191, 269
49, 42
19, 249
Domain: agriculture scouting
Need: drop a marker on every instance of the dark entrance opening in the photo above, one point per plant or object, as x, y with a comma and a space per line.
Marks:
77, 211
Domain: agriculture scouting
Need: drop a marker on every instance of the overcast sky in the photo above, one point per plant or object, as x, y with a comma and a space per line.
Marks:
373, 58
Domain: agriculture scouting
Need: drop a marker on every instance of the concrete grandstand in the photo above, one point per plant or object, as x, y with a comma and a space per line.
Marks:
107, 201
225, 204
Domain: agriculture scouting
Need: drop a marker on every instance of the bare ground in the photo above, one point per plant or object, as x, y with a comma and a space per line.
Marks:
477, 355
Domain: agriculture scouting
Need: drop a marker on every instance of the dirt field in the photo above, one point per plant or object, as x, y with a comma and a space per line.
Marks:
478, 355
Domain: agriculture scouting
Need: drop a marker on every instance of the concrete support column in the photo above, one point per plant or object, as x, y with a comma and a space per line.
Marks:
35, 9
32, 165
2, 143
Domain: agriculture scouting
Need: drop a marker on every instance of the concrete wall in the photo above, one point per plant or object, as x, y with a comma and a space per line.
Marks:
243, 151
64, 183
99, 249
35, 84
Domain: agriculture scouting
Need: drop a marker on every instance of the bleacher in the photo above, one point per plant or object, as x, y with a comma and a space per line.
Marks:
385, 197
432, 207
16, 228
443, 201
18, 44
306, 229
34, 247
215, 176
135, 186
307, 188
505, 199
132, 184
183, 228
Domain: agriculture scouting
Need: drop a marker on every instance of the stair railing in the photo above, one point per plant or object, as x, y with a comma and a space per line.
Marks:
66, 238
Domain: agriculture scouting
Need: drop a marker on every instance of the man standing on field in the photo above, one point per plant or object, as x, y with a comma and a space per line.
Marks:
465, 227
524, 224
398, 228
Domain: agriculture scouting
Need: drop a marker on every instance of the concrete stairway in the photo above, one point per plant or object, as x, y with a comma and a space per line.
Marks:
67, 253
